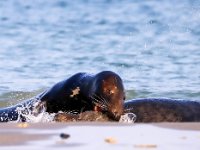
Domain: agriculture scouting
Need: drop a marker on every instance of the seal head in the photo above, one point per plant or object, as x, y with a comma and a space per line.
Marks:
107, 94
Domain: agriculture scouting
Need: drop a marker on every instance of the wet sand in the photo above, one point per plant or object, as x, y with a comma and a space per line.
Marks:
93, 135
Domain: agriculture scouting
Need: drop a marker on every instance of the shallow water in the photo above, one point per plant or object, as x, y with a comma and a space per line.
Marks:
154, 46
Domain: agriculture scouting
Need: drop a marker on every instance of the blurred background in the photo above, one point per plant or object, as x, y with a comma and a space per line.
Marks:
153, 45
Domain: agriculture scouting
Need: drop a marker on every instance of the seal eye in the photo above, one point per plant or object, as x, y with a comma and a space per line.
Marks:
110, 92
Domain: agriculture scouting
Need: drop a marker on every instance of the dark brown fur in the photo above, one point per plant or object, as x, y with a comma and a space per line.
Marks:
164, 110
102, 92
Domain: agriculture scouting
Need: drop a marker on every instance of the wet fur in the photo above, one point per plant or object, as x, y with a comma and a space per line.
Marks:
80, 92
13, 113
164, 110
85, 92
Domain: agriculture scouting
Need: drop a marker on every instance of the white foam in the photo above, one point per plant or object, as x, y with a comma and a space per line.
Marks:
128, 118
35, 112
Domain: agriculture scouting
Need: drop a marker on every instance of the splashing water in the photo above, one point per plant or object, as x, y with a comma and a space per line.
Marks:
128, 118
34, 112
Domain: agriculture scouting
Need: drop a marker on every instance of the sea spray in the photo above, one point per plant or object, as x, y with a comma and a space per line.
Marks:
128, 118
34, 112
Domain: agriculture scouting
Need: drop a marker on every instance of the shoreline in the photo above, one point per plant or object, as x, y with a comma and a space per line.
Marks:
90, 135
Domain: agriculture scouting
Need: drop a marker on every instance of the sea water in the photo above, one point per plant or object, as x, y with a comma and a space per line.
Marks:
153, 45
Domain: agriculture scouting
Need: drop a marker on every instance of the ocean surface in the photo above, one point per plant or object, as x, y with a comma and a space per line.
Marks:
153, 45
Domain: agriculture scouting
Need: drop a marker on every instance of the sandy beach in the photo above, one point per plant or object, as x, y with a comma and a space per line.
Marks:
92, 136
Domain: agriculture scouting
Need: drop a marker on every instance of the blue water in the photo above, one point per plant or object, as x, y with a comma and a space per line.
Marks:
153, 45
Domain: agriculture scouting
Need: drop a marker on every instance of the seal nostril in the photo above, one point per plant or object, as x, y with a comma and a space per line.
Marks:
116, 115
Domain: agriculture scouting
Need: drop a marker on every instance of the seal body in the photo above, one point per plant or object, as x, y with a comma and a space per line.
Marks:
9, 114
23, 110
163, 110
103, 92
81, 92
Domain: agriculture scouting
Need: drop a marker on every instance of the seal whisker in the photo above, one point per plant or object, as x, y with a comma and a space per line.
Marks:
103, 100
101, 106
98, 102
